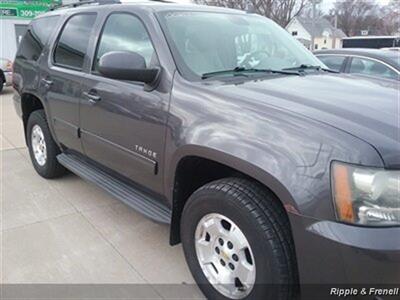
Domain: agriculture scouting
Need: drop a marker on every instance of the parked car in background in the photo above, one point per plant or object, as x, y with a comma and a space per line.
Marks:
5, 72
391, 49
370, 62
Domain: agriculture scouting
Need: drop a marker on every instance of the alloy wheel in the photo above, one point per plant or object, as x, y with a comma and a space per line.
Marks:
38, 145
225, 256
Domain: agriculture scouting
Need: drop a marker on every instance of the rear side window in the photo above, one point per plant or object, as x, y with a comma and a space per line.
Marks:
333, 62
372, 68
36, 37
73, 42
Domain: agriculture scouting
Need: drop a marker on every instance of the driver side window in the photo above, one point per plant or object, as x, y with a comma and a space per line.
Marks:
125, 32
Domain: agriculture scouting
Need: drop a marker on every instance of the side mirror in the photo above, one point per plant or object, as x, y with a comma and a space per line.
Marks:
126, 65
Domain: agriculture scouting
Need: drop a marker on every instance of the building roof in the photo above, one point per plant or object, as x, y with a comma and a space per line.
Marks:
321, 25
305, 42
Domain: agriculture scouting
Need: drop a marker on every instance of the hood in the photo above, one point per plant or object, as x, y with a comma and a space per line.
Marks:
366, 108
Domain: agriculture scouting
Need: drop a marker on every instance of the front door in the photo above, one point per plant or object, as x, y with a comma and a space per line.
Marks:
122, 123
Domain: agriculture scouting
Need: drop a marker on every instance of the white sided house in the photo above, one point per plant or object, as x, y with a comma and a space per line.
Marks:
326, 36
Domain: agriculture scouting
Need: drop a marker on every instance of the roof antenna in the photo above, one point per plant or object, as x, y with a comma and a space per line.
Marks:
250, 9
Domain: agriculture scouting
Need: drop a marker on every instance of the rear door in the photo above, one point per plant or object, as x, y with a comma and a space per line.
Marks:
123, 123
62, 81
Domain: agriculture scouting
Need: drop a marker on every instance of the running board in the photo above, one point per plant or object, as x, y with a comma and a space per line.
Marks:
136, 199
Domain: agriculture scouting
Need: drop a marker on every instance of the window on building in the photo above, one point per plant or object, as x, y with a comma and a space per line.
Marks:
325, 41
125, 32
20, 31
36, 37
294, 33
73, 41
333, 62
316, 47
371, 67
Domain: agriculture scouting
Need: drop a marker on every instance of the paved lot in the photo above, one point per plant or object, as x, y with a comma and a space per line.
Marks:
69, 231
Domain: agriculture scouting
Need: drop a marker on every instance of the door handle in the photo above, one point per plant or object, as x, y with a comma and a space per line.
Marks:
47, 82
93, 99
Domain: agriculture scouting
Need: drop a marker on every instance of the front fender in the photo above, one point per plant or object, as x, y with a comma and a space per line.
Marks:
235, 162
287, 152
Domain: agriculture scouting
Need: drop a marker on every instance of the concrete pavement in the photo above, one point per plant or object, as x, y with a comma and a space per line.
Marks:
69, 231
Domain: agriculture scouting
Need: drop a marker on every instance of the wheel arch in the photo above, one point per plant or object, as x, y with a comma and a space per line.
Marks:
29, 103
2, 76
218, 165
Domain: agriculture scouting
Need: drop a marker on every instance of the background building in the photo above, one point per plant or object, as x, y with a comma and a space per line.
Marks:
15, 16
325, 35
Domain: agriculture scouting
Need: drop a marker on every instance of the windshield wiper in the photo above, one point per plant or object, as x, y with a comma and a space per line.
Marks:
303, 67
241, 71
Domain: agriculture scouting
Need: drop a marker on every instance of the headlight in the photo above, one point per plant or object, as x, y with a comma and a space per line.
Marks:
366, 196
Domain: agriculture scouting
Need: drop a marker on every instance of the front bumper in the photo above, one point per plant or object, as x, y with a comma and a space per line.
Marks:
332, 253
8, 77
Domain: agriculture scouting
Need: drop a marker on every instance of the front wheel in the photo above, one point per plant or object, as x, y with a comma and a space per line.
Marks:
238, 243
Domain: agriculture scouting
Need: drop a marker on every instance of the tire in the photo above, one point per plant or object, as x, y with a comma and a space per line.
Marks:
48, 166
264, 224
1, 83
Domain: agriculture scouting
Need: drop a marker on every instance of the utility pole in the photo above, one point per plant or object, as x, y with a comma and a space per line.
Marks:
250, 9
314, 4
334, 34
336, 19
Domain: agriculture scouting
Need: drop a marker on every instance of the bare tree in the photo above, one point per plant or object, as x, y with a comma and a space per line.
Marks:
281, 11
391, 18
307, 12
353, 16
285, 10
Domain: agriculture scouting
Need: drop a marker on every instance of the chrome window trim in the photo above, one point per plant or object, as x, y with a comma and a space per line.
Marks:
361, 56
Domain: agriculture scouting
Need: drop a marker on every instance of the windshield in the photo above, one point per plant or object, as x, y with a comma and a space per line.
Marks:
206, 42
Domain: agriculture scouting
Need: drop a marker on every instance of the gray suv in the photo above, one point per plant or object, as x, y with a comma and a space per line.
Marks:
273, 171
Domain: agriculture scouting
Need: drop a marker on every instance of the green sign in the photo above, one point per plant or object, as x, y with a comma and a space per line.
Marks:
25, 9
8, 12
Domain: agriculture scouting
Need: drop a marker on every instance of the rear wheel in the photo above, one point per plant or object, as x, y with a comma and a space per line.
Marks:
1, 83
238, 243
42, 148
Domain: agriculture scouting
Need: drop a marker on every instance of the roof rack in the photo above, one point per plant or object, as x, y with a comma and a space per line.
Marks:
86, 2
